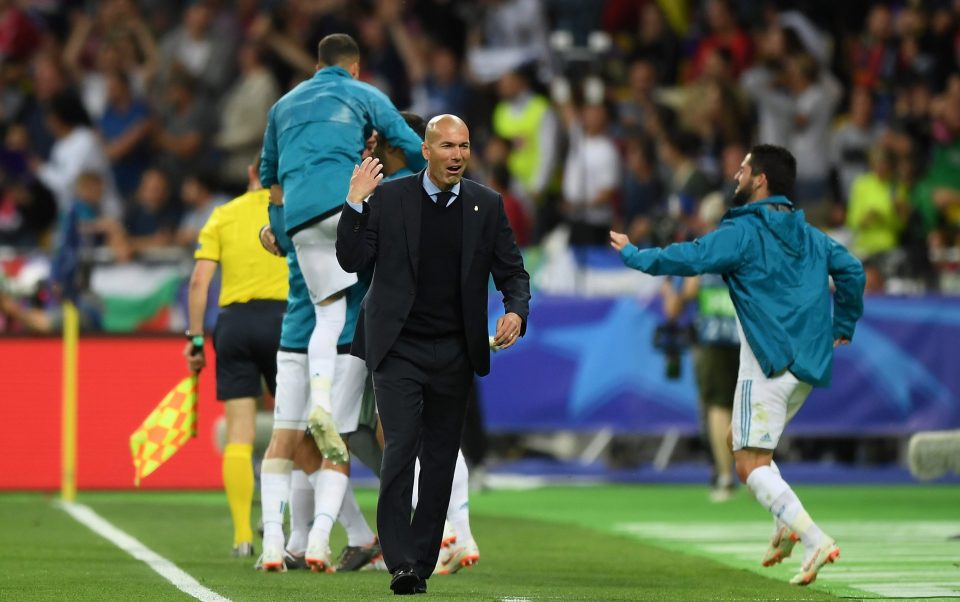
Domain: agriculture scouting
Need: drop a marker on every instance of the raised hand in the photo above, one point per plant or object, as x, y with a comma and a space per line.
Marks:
365, 179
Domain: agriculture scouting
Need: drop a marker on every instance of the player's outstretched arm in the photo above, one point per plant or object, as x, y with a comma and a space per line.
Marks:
715, 253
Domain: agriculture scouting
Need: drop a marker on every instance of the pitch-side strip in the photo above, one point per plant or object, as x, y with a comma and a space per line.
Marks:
893, 559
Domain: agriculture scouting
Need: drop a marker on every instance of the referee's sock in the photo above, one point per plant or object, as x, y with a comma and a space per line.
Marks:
238, 484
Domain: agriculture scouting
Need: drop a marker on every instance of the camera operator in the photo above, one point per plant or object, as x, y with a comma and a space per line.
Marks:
716, 354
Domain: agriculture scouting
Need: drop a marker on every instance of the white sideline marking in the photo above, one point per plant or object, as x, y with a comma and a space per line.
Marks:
893, 559
132, 546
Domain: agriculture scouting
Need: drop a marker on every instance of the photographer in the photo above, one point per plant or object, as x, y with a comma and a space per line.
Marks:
716, 354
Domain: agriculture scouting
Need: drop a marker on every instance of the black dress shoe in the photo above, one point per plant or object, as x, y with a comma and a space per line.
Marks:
421, 587
404, 581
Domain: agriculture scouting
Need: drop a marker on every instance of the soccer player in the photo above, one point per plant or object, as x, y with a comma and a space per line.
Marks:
314, 135
777, 268
252, 301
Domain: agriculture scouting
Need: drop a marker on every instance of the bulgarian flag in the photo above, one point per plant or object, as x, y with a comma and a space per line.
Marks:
165, 430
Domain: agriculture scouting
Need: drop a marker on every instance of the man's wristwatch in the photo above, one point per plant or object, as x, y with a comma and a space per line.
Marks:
195, 338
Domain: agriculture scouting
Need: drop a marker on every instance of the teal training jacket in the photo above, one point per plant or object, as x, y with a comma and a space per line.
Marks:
315, 135
777, 268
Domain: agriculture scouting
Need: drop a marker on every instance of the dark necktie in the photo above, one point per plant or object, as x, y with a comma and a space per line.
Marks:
443, 198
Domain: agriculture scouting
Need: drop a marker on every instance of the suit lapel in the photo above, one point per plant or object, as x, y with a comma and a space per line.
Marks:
471, 229
411, 202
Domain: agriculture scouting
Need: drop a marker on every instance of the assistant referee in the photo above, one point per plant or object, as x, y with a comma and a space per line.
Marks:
253, 297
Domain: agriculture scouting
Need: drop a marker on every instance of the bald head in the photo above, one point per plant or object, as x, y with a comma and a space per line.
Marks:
446, 147
442, 122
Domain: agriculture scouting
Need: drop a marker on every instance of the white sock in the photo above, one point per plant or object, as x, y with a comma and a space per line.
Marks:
775, 495
458, 512
274, 498
322, 350
301, 512
353, 521
329, 487
777, 523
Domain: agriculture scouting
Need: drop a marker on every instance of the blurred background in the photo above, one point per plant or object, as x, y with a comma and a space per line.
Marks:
135, 119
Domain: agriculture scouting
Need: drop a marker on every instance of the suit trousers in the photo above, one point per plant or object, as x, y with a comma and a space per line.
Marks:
421, 388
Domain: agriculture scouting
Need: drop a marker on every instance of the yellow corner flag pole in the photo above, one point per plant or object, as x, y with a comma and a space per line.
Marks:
68, 442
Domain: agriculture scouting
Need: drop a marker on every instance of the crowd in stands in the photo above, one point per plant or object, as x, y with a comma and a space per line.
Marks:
138, 118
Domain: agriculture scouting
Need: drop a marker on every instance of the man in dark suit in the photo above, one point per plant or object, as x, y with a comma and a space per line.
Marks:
435, 239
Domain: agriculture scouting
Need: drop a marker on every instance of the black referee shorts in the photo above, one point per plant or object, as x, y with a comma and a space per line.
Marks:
246, 340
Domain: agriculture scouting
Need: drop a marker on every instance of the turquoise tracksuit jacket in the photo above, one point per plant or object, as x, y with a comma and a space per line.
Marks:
777, 268
315, 135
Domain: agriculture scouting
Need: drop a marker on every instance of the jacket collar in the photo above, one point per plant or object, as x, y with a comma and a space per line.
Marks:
333, 70
756, 205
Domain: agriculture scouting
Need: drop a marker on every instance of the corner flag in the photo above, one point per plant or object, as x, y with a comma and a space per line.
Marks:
165, 430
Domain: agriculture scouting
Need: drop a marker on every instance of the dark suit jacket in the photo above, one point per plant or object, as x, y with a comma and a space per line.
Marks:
387, 235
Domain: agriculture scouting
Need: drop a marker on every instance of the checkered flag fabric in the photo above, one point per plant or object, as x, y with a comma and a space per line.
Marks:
165, 430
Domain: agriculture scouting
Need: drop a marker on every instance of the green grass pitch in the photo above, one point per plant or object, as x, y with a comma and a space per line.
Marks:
552, 543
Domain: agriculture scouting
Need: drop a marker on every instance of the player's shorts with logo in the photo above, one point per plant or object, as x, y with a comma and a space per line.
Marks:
763, 406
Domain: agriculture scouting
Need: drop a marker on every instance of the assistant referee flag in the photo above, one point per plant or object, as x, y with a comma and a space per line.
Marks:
165, 430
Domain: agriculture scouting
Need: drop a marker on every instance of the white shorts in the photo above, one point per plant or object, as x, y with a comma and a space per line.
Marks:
762, 407
292, 401
349, 380
317, 256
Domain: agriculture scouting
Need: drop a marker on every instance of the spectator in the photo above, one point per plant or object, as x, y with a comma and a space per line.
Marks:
852, 141
591, 175
192, 48
183, 135
815, 97
96, 229
875, 215
19, 36
687, 184
527, 121
152, 220
199, 200
440, 89
763, 84
872, 61
643, 200
119, 40
641, 105
243, 116
27, 212
126, 126
516, 213
383, 40
657, 43
49, 78
506, 33
77, 149
725, 34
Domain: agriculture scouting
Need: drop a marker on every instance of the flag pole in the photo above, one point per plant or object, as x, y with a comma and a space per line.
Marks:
68, 433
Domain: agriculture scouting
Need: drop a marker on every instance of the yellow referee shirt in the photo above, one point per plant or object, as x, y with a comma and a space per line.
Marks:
231, 238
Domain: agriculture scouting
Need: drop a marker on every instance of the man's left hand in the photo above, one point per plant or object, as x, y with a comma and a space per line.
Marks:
508, 330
